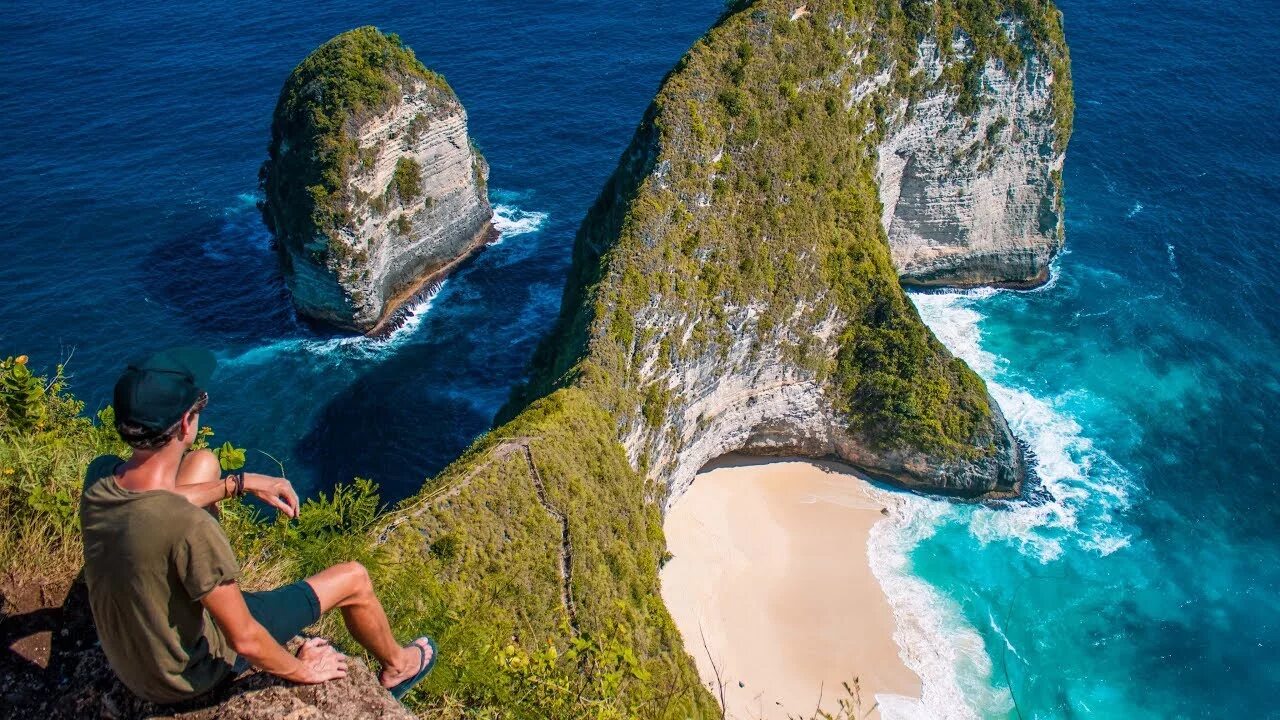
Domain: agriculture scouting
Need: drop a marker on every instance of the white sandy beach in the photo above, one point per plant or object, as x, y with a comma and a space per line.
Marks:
770, 580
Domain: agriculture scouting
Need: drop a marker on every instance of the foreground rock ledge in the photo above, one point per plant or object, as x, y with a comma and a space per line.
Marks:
254, 696
52, 667
373, 188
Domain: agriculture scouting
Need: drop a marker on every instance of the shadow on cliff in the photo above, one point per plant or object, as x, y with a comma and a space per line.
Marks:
43, 632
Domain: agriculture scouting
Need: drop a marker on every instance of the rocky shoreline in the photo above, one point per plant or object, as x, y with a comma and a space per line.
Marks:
427, 283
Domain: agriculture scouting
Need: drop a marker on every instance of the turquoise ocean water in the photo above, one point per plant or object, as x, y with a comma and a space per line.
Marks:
1142, 581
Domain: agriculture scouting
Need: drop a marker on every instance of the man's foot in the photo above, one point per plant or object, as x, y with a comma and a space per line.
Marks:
413, 658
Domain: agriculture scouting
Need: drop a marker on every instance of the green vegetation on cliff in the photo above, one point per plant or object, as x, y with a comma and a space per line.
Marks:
407, 179
546, 497
45, 446
353, 76
750, 183
981, 24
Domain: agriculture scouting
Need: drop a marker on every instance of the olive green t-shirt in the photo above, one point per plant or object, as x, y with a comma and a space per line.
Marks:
148, 559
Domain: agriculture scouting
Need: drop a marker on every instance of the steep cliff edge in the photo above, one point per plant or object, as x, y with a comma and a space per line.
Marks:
733, 286
970, 165
372, 187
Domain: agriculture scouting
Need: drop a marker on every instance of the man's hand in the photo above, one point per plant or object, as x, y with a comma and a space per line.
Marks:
274, 491
316, 661
320, 662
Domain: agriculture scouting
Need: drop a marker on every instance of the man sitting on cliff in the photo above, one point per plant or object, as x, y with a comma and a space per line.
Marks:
162, 577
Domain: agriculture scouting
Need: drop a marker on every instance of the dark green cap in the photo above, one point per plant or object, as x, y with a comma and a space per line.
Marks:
156, 392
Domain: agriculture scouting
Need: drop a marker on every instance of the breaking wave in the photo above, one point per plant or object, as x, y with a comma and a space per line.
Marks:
1081, 491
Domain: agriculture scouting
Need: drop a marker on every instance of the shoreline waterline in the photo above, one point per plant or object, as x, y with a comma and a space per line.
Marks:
772, 587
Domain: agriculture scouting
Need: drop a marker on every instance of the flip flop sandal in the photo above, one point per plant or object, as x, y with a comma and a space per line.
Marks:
399, 691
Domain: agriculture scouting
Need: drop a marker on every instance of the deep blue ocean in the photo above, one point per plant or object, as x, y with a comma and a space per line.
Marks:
1144, 375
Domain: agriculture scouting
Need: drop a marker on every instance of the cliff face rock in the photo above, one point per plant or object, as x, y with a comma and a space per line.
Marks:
972, 191
734, 285
763, 403
372, 188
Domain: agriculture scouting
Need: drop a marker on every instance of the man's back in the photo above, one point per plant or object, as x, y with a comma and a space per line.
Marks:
149, 558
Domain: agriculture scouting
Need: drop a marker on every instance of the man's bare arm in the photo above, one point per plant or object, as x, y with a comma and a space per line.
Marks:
274, 491
206, 493
316, 662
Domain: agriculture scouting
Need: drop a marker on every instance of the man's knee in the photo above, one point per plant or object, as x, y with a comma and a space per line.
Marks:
199, 466
341, 585
356, 577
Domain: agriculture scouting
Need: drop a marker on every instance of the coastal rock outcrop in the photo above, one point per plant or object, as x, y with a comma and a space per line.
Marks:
971, 177
372, 188
734, 284
734, 288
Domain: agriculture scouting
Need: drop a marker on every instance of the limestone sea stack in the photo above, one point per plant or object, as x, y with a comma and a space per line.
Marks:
970, 171
372, 187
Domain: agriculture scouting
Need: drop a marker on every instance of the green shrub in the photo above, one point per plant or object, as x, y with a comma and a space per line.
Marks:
45, 446
407, 179
403, 224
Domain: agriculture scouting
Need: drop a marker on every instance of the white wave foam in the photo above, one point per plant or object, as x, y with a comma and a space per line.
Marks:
341, 349
1085, 485
1137, 208
412, 316
511, 221
955, 323
1085, 488
1173, 261
933, 638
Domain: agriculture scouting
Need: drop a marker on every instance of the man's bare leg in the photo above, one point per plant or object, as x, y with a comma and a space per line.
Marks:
200, 466
347, 587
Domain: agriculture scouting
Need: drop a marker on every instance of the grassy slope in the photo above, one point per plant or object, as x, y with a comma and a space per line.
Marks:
494, 551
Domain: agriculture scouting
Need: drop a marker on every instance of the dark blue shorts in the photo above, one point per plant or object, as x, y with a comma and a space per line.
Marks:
284, 612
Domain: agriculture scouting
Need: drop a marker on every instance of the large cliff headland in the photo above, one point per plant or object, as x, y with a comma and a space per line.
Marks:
372, 188
735, 287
